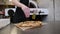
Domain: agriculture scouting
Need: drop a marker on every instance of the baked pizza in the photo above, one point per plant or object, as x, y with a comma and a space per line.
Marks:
29, 24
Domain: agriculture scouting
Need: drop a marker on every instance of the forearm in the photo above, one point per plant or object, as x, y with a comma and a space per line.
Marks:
17, 3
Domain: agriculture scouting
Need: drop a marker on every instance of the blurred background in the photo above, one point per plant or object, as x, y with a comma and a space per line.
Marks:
47, 11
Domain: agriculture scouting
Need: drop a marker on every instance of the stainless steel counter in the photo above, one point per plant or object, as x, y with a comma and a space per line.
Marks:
49, 28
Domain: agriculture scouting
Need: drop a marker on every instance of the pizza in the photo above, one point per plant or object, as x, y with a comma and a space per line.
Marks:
30, 24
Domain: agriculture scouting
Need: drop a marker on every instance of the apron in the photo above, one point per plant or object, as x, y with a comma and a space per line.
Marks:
19, 15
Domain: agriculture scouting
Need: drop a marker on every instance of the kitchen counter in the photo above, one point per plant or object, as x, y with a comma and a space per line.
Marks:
12, 29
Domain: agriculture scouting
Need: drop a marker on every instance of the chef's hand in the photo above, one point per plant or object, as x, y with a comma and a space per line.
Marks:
26, 11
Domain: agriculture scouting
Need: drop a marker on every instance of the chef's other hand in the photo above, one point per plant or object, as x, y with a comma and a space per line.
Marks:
26, 11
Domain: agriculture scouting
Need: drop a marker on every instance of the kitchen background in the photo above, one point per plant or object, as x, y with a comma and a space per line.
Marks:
53, 16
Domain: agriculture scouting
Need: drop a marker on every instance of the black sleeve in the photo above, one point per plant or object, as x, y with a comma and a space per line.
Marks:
25, 2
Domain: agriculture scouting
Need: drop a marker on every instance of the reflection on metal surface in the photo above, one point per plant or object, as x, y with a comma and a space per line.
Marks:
14, 30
